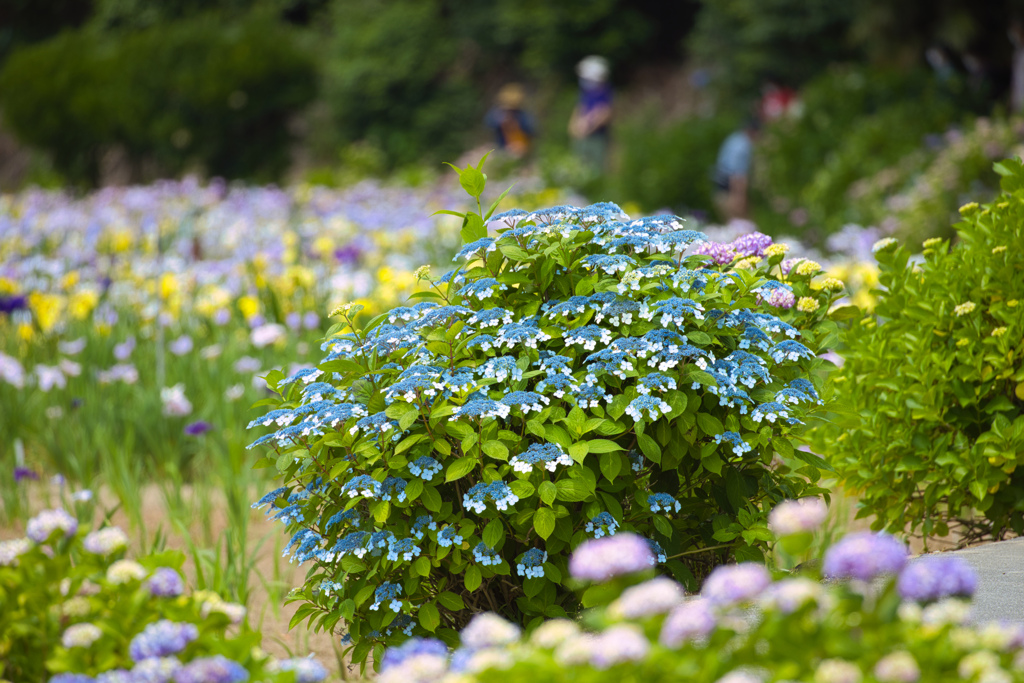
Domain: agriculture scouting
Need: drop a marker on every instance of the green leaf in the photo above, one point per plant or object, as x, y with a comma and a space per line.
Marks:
602, 446
408, 442
611, 465
522, 488
493, 533
572, 490
474, 229
578, 451
496, 449
421, 567
709, 424
451, 601
544, 522
430, 618
460, 468
473, 578
662, 525
431, 498
514, 253
650, 448
408, 419
413, 489
699, 338
548, 491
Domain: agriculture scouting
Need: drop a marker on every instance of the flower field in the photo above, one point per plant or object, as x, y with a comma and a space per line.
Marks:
589, 415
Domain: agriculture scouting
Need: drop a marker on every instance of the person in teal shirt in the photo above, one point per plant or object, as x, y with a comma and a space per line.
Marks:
732, 171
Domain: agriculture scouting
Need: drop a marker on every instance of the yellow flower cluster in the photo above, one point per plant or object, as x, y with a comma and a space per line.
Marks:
807, 304
964, 308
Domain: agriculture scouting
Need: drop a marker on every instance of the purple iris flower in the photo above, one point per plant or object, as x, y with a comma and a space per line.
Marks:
21, 473
198, 428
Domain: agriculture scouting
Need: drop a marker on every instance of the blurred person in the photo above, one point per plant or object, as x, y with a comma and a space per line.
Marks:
590, 122
732, 171
513, 128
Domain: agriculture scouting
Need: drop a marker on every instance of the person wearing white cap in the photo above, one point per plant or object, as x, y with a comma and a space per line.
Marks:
591, 119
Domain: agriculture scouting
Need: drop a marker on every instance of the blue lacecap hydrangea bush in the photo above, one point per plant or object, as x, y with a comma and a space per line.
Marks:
578, 374
881, 618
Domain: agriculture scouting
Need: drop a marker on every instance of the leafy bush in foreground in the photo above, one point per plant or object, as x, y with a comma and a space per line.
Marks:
934, 433
578, 375
72, 608
745, 627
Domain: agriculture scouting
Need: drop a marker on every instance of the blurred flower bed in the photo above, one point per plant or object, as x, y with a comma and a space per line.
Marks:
135, 323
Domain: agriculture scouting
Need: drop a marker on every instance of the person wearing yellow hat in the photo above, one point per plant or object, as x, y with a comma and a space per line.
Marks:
590, 122
513, 127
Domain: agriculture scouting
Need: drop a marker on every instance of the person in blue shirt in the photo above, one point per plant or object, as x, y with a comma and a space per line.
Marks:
590, 122
732, 171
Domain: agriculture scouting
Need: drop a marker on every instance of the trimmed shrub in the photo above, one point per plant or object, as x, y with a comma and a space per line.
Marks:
195, 91
933, 432
578, 374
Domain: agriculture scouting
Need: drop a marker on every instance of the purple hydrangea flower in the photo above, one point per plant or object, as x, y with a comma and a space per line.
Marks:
165, 583
620, 643
864, 556
197, 428
722, 254
394, 656
307, 669
935, 577
795, 516
751, 244
216, 669
71, 678
656, 596
735, 583
689, 621
162, 638
43, 525
604, 558
489, 630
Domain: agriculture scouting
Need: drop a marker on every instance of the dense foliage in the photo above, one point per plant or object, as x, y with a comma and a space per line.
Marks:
73, 607
881, 619
575, 375
933, 432
197, 92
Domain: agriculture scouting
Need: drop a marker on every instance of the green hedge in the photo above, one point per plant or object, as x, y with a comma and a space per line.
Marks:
193, 92
933, 432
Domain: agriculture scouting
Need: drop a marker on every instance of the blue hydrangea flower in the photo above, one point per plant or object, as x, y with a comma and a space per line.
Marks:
491, 317
414, 647
479, 495
619, 312
676, 310
486, 555
425, 467
482, 289
739, 446
591, 395
355, 543
270, 497
769, 411
501, 368
531, 564
553, 364
380, 540
387, 592
423, 522
588, 336
659, 502
480, 246
454, 276
215, 669
636, 461
449, 536
655, 408
657, 552
484, 341
601, 525
393, 486
362, 485
481, 408
373, 424
404, 547
570, 308
525, 333
789, 350
655, 382
162, 638
610, 264
440, 317
559, 385
347, 517
546, 455
525, 401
